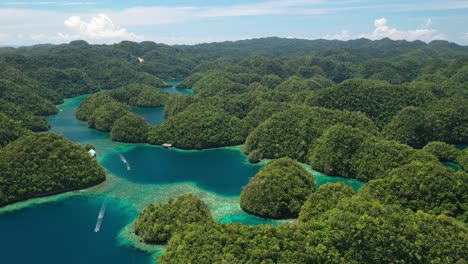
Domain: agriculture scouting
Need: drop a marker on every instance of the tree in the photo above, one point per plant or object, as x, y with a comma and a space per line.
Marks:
333, 151
424, 186
443, 151
159, 222
10, 130
412, 126
130, 128
49, 164
199, 127
103, 117
325, 198
278, 190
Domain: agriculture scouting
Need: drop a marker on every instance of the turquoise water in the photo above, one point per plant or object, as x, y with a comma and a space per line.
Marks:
64, 123
223, 171
321, 179
60, 229
63, 232
154, 116
246, 219
452, 165
174, 89
461, 146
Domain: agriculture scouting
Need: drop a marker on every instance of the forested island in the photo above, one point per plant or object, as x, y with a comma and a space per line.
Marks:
388, 113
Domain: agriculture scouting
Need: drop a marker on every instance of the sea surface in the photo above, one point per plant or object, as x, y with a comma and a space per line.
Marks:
61, 229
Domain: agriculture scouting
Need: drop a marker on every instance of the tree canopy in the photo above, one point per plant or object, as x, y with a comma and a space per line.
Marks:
278, 190
199, 127
130, 128
159, 222
49, 164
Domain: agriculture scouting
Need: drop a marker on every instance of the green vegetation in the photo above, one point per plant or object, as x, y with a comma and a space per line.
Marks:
89, 105
443, 151
359, 109
377, 99
22, 97
452, 116
190, 81
49, 164
151, 80
327, 197
158, 223
110, 74
10, 130
342, 229
130, 128
462, 159
278, 190
291, 132
104, 116
68, 83
262, 112
199, 127
141, 95
350, 152
411, 126
27, 119
103, 110
424, 186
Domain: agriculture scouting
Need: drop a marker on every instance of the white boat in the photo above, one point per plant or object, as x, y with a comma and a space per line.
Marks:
167, 145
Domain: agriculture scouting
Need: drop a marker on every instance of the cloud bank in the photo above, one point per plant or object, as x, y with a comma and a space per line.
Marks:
99, 27
382, 30
27, 23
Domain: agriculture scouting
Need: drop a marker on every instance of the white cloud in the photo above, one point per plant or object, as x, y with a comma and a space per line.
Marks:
18, 3
19, 17
344, 35
382, 30
465, 36
99, 27
428, 23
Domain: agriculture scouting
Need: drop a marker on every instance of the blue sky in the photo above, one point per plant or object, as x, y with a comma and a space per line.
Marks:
188, 22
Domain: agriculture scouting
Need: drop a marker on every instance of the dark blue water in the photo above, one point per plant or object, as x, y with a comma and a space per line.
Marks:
224, 171
154, 116
63, 232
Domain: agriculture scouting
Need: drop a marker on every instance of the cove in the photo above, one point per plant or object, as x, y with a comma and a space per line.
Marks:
154, 116
174, 89
62, 231
223, 170
64, 123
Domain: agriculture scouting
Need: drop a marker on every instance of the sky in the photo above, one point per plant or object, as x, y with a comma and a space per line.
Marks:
189, 22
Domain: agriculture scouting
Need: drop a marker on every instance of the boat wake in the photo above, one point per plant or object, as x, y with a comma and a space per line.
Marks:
100, 216
124, 161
